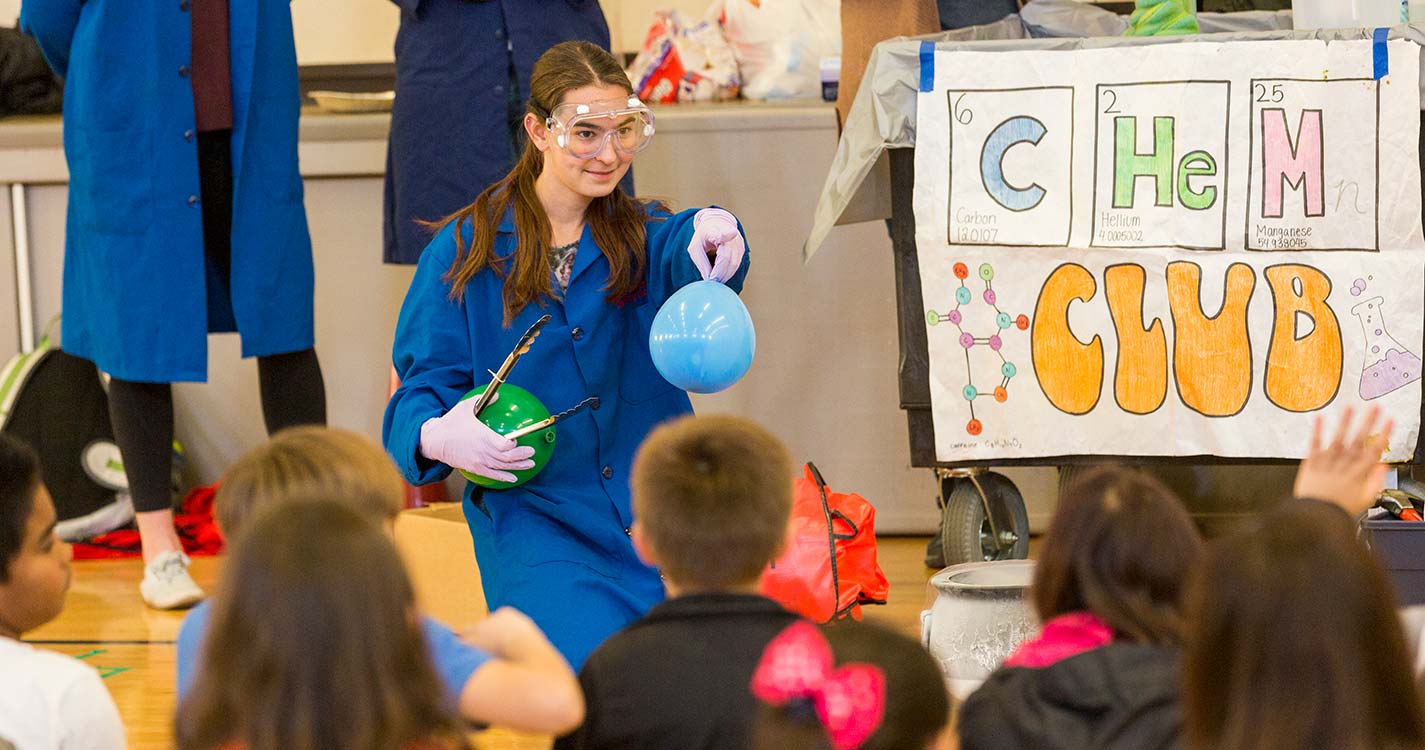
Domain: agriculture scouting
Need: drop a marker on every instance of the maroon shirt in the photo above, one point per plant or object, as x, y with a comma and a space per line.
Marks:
211, 71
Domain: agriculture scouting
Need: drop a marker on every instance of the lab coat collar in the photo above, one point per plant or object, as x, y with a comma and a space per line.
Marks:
588, 253
585, 257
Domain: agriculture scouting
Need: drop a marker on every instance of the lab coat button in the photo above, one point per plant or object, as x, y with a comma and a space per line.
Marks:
499, 89
577, 333
499, 33
183, 71
184, 5
192, 201
628, 532
608, 472
188, 135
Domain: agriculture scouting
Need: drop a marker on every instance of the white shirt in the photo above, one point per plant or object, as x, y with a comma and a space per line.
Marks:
49, 701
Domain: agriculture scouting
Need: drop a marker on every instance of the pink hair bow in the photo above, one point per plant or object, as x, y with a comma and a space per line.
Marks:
849, 701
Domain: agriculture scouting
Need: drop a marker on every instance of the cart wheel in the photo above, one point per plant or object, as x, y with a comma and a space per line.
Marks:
934, 552
965, 532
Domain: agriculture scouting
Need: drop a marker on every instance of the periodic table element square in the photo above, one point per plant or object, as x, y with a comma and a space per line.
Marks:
1297, 197
1160, 164
1011, 166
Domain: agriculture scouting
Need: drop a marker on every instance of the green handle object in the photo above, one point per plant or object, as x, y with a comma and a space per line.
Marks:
1162, 18
515, 408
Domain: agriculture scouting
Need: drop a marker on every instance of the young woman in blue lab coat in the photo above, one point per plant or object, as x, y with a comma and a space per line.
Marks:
555, 237
185, 218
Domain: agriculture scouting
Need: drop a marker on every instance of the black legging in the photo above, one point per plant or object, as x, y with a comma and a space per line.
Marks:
292, 394
291, 385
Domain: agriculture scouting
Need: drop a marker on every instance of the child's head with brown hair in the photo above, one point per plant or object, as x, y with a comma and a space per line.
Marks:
326, 648
1120, 547
915, 705
306, 462
1295, 642
712, 498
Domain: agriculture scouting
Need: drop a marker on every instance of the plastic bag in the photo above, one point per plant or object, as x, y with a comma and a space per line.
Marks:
829, 568
682, 61
780, 43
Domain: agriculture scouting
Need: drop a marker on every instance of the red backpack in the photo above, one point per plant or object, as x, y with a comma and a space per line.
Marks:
829, 568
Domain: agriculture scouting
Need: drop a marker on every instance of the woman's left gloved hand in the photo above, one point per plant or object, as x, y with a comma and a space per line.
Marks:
717, 247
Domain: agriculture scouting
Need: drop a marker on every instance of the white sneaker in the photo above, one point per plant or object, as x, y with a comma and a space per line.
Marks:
166, 583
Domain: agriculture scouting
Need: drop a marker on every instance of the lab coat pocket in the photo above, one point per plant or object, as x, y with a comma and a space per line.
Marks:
111, 181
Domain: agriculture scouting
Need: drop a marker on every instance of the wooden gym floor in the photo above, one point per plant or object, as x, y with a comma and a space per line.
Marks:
106, 624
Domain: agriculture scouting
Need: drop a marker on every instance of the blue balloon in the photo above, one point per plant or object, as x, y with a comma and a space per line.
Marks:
702, 339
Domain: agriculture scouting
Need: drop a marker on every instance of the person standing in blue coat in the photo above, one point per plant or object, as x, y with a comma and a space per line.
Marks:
462, 73
555, 236
185, 218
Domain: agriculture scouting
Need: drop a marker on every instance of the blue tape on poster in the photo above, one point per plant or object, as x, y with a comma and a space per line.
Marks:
927, 66
1379, 53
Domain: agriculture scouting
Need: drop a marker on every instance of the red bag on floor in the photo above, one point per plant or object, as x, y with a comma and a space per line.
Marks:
829, 568
193, 521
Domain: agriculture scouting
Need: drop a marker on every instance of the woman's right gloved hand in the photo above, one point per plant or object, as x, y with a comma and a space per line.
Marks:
460, 441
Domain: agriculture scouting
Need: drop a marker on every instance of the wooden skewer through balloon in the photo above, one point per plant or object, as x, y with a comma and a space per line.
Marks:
543, 423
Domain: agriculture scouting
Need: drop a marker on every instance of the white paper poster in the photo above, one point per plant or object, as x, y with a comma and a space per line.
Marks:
1170, 250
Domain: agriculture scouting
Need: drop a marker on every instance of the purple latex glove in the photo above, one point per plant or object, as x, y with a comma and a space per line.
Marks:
459, 440
717, 247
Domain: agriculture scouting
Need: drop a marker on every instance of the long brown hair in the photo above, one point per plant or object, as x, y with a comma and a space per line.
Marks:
314, 643
1121, 547
616, 220
1295, 643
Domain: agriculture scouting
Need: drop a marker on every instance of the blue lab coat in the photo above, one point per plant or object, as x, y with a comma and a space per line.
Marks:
451, 123
556, 547
136, 300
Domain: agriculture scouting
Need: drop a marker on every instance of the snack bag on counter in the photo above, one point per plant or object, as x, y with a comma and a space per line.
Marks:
780, 43
684, 62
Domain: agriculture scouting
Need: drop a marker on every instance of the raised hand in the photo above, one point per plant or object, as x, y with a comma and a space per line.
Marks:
1346, 472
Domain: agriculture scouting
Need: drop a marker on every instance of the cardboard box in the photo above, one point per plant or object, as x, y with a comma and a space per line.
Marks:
435, 543
864, 23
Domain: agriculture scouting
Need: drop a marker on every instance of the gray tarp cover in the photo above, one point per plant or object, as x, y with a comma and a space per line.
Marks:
883, 113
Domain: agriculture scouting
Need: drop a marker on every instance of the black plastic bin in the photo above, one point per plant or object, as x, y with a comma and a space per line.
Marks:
1400, 547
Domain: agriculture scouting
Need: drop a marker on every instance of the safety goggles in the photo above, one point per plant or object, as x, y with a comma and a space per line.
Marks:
584, 129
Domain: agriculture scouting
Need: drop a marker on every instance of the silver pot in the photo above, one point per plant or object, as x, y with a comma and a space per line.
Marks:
980, 615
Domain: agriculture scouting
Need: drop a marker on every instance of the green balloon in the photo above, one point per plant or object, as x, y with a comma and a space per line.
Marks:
514, 408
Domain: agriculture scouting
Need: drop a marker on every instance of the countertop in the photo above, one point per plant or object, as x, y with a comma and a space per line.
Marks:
31, 148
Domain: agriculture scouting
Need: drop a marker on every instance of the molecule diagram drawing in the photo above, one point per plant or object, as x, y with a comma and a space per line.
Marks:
994, 342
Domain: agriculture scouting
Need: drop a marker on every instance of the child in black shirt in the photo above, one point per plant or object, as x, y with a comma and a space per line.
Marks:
712, 498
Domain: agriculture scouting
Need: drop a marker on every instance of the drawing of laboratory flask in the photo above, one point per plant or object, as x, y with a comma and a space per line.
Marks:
1388, 365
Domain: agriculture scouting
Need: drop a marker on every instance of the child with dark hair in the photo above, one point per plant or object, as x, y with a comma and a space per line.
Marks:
47, 701
712, 500
1292, 604
1109, 587
331, 651
857, 685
